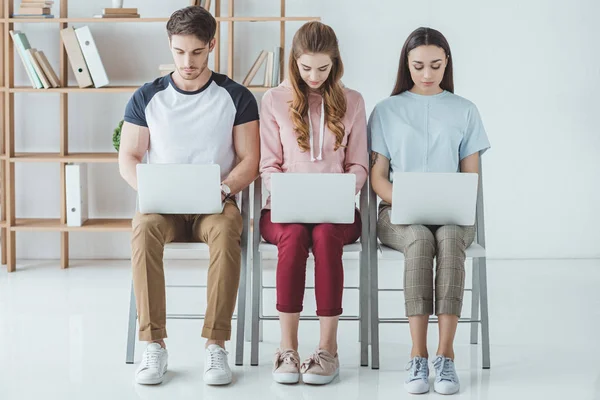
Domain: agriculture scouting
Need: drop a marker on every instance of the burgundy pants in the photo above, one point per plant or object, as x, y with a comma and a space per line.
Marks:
293, 242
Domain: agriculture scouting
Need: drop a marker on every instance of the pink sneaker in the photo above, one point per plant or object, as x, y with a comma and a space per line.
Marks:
320, 368
286, 366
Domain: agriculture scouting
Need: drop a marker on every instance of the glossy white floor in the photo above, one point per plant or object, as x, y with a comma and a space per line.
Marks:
62, 336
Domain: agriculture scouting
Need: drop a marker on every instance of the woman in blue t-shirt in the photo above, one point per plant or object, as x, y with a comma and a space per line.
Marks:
424, 127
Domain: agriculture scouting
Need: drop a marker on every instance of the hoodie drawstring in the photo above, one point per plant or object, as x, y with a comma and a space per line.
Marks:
321, 133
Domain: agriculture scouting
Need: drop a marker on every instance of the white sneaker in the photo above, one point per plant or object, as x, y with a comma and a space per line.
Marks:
216, 368
446, 379
153, 366
417, 381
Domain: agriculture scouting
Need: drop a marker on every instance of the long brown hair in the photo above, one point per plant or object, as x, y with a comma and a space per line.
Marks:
316, 37
422, 37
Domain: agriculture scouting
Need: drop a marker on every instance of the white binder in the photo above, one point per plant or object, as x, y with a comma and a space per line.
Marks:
92, 56
77, 194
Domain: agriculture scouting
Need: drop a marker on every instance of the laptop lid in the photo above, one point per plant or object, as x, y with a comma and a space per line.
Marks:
428, 198
179, 189
313, 198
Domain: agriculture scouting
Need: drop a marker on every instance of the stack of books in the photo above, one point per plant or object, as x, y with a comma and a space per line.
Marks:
272, 61
119, 13
35, 9
38, 69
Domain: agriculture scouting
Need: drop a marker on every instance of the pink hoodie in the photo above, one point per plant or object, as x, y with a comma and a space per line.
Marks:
279, 148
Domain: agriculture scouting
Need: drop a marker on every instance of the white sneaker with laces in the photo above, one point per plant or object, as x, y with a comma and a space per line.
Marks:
446, 379
153, 366
417, 381
216, 367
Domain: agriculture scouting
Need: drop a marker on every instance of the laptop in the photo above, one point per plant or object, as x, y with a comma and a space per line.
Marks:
179, 189
430, 198
313, 198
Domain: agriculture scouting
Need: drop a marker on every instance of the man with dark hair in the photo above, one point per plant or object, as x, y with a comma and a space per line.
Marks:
191, 116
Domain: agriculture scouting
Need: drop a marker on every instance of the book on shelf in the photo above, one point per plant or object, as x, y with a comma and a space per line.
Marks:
31, 16
91, 56
255, 67
38, 68
37, 4
47, 68
76, 189
269, 70
272, 70
34, 9
22, 45
276, 66
75, 56
37, 11
118, 13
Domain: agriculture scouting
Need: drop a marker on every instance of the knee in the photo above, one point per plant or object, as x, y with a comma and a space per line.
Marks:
295, 234
418, 233
225, 234
445, 232
325, 235
147, 223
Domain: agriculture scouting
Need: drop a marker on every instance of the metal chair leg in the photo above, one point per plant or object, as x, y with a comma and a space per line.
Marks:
475, 302
485, 321
256, 298
131, 329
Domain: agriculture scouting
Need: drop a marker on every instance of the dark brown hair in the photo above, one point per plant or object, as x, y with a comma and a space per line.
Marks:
315, 37
192, 20
422, 37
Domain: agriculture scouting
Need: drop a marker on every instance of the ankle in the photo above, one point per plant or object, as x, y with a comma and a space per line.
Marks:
285, 345
419, 353
448, 354
331, 348
220, 343
161, 342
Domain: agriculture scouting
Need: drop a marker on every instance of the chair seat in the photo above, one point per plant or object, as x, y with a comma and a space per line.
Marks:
387, 253
265, 247
186, 246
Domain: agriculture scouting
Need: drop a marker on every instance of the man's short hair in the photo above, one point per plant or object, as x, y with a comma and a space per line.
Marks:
192, 20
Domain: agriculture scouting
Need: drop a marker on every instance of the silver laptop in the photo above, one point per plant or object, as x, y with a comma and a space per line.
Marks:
313, 198
179, 189
434, 198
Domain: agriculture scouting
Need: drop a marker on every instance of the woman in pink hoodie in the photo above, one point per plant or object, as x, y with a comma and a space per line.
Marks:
311, 123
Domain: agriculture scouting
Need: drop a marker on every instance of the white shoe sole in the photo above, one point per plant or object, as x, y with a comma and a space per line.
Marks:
314, 379
416, 390
286, 377
218, 382
151, 381
446, 391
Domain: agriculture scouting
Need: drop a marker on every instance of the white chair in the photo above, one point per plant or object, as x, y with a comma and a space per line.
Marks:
479, 288
241, 303
260, 247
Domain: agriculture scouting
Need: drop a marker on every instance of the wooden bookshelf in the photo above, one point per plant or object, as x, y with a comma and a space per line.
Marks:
9, 224
106, 89
68, 158
123, 20
55, 225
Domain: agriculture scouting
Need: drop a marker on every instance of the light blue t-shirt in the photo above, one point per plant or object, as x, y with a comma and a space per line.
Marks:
426, 133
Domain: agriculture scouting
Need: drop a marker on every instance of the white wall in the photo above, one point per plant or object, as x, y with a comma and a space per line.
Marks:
530, 66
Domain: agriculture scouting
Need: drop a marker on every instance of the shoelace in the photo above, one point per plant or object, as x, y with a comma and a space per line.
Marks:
151, 358
417, 368
217, 359
287, 357
445, 368
313, 359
